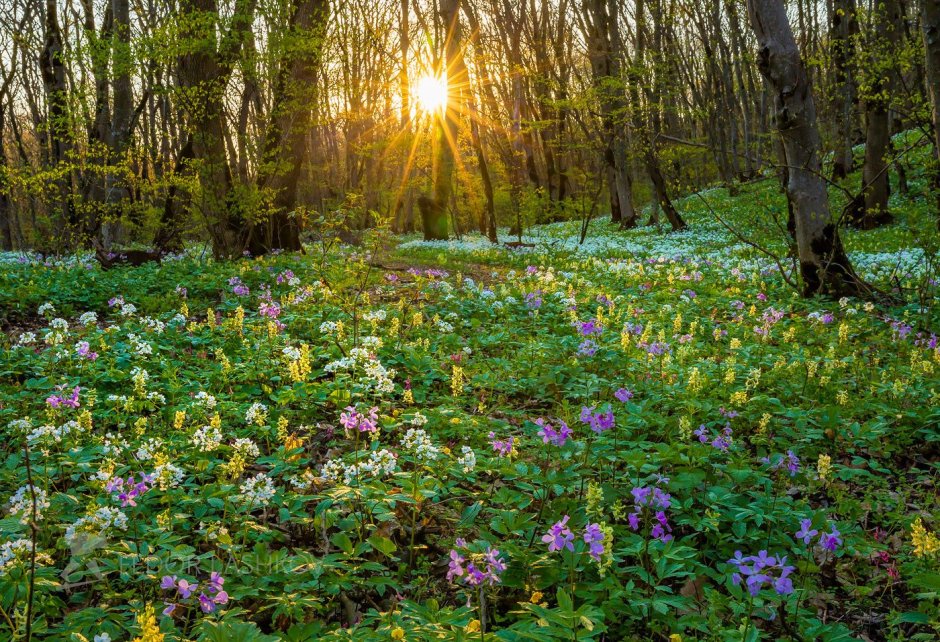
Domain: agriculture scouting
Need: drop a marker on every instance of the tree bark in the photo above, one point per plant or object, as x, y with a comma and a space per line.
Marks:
434, 209
930, 26
286, 148
843, 29
878, 134
824, 266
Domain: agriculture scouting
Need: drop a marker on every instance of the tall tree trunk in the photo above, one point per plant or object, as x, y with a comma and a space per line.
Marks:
52, 68
842, 32
878, 134
930, 25
824, 266
434, 209
605, 51
286, 146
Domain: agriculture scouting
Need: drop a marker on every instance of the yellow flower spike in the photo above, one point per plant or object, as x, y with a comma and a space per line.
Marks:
149, 631
398, 633
178, 419
925, 543
824, 467
457, 380
184, 309
408, 397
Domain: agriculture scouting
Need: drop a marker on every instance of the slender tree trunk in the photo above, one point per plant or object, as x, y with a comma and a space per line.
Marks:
878, 134
824, 266
434, 209
286, 148
52, 68
842, 32
930, 26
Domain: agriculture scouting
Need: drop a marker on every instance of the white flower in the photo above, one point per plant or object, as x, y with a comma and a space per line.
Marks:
148, 449
102, 637
97, 524
128, 309
418, 419
246, 447
16, 550
418, 442
256, 414
168, 476
207, 438
258, 490
291, 353
44, 308
26, 338
22, 503
59, 324
327, 327
205, 399
141, 347
468, 460
88, 318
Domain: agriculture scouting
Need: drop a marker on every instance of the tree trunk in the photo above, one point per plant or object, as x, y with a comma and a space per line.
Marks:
286, 148
843, 29
878, 135
434, 210
52, 68
824, 266
930, 25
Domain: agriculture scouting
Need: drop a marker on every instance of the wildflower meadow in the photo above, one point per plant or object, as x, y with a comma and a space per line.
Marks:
647, 438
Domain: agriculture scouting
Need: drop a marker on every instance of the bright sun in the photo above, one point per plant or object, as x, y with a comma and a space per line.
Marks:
431, 92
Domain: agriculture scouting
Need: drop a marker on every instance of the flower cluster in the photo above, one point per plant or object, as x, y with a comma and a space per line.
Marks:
22, 503
829, 541
550, 434
209, 598
762, 571
128, 490
475, 569
352, 420
649, 505
598, 421
419, 443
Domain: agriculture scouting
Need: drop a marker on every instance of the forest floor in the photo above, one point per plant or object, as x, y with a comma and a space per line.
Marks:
647, 436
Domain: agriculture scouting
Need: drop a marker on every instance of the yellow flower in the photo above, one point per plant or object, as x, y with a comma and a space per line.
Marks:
675, 637
925, 543
824, 467
473, 627
457, 380
408, 397
149, 631
398, 633
292, 442
536, 597
178, 419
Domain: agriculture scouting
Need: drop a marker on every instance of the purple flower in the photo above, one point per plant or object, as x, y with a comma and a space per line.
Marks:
805, 533
486, 567
762, 569
598, 421
454, 567
353, 420
588, 348
559, 536
832, 540
594, 538
168, 582
503, 447
550, 435
589, 328
623, 395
